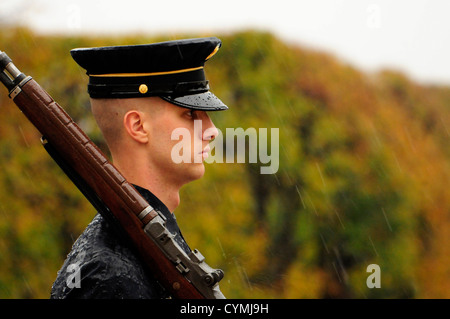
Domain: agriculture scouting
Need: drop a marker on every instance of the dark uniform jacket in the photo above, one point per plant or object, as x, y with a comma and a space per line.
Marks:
107, 263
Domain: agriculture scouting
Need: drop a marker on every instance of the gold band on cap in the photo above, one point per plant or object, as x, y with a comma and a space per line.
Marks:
145, 74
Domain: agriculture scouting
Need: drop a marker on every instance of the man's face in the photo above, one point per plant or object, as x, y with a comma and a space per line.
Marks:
164, 123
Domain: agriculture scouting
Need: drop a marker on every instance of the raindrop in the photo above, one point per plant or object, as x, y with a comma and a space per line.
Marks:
23, 136
324, 243
376, 253
243, 274
385, 217
300, 195
221, 248
340, 221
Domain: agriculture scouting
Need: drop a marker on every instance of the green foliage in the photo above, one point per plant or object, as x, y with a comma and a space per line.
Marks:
363, 174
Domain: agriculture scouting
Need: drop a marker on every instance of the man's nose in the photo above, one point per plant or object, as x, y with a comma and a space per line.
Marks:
210, 131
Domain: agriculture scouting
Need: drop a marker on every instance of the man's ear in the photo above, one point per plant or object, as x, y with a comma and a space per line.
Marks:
133, 122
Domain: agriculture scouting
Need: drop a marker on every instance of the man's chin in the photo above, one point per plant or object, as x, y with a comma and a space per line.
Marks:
200, 170
195, 171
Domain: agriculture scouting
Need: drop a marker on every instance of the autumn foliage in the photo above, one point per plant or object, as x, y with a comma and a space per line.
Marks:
364, 167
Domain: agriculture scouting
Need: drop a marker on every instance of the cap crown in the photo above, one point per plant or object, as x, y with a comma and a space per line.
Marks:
146, 58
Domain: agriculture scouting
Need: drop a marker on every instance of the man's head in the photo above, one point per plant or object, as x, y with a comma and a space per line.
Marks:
139, 133
141, 95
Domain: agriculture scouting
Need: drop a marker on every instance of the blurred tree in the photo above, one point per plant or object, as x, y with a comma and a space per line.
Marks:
362, 176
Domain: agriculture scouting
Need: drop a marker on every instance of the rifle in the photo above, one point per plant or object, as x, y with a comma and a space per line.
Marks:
185, 276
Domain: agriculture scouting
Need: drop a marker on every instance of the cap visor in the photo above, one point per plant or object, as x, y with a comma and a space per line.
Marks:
203, 101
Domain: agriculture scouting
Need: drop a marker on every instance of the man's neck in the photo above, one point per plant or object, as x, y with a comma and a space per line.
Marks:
170, 197
158, 185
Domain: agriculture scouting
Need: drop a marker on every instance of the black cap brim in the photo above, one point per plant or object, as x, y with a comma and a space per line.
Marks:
203, 102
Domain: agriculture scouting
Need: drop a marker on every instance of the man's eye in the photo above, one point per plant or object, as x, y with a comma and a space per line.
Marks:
192, 113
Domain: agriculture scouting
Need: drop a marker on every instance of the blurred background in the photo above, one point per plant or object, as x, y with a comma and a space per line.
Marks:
360, 92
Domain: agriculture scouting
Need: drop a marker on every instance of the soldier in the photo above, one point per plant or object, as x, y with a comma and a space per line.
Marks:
140, 95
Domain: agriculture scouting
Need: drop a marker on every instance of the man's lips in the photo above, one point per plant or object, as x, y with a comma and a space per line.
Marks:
205, 152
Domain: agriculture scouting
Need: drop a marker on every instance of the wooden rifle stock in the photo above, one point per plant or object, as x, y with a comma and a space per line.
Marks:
102, 183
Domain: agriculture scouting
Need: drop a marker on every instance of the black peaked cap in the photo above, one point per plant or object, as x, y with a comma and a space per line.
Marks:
173, 70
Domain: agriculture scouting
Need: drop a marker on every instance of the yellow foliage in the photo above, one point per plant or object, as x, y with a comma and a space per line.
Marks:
362, 179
